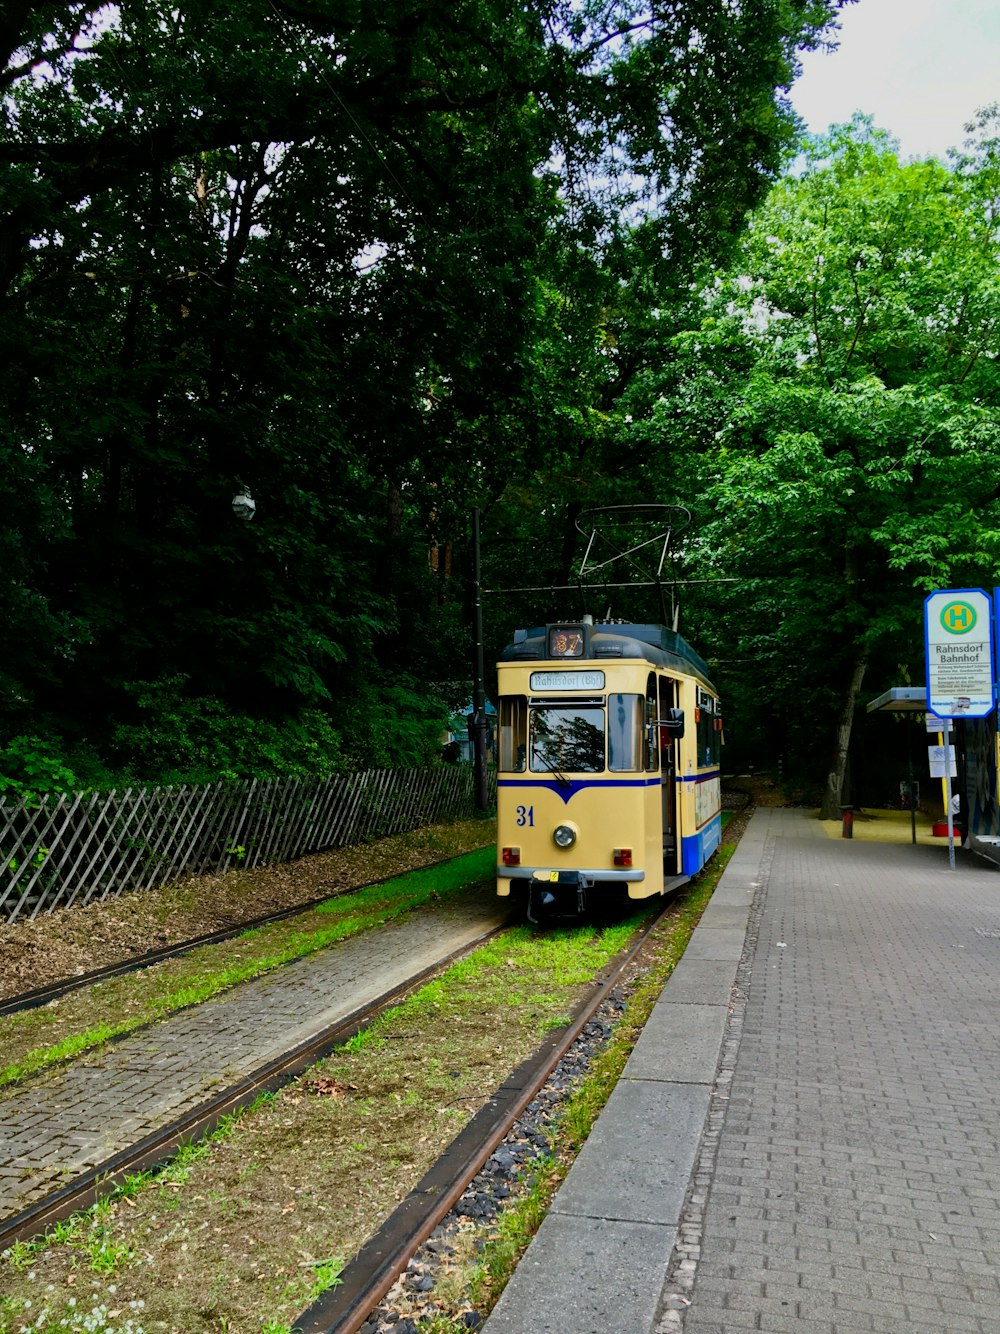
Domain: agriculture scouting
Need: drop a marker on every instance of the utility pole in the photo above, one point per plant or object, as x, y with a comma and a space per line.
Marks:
477, 720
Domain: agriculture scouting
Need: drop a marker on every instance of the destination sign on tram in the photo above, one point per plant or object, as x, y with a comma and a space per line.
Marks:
567, 680
959, 642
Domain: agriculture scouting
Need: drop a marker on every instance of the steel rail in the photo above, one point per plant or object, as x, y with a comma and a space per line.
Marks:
38, 996
100, 1181
369, 1276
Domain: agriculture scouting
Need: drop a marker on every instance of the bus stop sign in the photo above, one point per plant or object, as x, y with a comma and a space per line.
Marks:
959, 642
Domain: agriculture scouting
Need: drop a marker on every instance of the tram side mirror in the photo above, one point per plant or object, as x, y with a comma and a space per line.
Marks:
674, 723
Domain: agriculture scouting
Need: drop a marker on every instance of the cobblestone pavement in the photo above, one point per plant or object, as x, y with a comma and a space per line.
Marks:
855, 1173
67, 1122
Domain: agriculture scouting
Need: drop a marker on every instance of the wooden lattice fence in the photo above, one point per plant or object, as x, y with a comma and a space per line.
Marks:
92, 845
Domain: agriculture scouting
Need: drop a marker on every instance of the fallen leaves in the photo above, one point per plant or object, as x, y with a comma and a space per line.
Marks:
71, 941
324, 1086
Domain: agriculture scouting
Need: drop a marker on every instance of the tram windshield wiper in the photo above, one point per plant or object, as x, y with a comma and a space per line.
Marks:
540, 755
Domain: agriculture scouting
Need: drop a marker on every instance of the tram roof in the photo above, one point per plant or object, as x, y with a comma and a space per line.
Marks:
616, 639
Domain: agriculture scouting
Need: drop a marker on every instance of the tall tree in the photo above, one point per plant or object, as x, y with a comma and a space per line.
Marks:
852, 454
357, 259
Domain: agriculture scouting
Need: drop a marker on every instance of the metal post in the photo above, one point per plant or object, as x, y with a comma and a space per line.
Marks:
947, 792
477, 723
912, 789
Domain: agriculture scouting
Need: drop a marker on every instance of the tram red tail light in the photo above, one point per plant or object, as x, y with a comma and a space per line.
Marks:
623, 856
510, 856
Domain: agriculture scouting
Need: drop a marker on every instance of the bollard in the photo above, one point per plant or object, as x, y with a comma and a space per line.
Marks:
848, 828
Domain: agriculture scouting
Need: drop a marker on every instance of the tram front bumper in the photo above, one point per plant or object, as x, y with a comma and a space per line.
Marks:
560, 893
515, 874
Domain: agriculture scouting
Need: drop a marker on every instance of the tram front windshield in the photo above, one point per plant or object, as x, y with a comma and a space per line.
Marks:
567, 737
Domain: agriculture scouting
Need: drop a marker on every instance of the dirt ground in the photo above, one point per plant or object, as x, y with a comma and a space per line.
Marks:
761, 789
75, 940
244, 1228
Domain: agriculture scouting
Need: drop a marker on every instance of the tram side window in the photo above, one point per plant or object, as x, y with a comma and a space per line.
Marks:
624, 732
513, 733
651, 730
709, 736
704, 734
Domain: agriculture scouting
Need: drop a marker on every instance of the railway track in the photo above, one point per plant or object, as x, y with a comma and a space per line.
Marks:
374, 1270
384, 1257
376, 1267
39, 996
101, 1181
740, 802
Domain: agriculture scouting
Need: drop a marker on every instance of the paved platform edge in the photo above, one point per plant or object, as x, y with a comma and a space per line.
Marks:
598, 1263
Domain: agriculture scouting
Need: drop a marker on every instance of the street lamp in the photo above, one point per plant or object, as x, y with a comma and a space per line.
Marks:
244, 506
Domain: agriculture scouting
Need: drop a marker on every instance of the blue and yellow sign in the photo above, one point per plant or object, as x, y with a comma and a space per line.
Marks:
958, 618
959, 643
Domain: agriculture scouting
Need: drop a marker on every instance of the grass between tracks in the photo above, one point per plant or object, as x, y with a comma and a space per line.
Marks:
493, 1257
36, 1039
245, 1230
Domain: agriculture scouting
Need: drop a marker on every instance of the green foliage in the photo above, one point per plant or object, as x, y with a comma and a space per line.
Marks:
183, 738
868, 421
32, 764
173, 736
845, 372
397, 726
326, 254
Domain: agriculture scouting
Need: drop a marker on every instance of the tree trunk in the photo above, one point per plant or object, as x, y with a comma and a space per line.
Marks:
830, 809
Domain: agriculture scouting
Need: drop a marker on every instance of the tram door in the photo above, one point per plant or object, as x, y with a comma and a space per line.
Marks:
668, 780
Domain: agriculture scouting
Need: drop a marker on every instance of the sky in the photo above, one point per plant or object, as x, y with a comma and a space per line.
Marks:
920, 67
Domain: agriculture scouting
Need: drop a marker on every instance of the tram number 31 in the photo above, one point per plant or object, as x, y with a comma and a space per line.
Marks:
525, 816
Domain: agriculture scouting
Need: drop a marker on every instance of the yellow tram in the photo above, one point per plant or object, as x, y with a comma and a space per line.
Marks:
608, 765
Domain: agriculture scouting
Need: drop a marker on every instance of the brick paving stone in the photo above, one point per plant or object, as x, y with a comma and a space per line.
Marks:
76, 1117
858, 1162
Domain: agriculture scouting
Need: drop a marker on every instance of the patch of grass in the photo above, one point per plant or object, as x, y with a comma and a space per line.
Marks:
326, 1275
430, 882
64, 1050
515, 1227
142, 998
254, 1217
500, 1252
243, 1232
104, 1253
20, 1254
89, 1230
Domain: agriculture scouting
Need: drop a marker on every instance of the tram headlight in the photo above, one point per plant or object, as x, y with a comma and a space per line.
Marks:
564, 835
